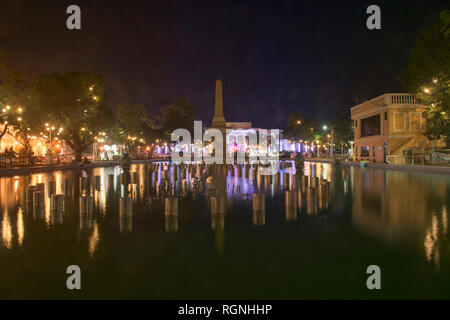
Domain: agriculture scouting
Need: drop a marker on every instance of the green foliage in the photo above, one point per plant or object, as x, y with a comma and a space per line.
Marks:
13, 96
299, 129
428, 75
343, 132
74, 102
180, 114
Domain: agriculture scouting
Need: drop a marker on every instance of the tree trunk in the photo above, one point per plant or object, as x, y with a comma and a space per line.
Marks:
78, 155
4, 131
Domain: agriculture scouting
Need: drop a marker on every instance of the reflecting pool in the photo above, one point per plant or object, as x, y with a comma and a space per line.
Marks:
191, 232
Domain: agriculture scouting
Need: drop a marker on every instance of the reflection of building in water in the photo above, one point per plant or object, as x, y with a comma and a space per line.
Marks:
388, 205
218, 209
86, 209
171, 214
6, 230
218, 205
259, 209
394, 205
93, 240
291, 205
57, 208
435, 234
125, 214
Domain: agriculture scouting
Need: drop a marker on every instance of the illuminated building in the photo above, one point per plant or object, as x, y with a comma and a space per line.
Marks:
390, 124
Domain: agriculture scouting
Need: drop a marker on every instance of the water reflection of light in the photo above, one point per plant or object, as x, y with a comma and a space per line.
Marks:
431, 243
428, 244
444, 219
6, 230
58, 179
48, 213
16, 184
20, 226
93, 240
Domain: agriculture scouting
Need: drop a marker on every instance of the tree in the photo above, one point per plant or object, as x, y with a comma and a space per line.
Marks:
131, 126
294, 129
180, 114
76, 103
343, 133
428, 75
299, 129
13, 94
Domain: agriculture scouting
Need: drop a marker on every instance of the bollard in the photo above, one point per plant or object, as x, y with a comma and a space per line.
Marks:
287, 180
51, 187
314, 182
38, 204
29, 194
305, 182
86, 204
311, 200
97, 183
277, 179
57, 202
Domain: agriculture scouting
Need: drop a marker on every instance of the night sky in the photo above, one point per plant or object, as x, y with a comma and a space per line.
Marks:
314, 57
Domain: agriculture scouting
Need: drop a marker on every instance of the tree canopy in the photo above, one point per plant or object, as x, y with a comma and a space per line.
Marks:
74, 106
180, 114
428, 75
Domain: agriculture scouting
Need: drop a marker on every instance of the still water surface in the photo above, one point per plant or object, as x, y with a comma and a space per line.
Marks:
256, 241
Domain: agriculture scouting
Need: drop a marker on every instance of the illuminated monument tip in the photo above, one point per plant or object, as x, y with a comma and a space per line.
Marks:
218, 119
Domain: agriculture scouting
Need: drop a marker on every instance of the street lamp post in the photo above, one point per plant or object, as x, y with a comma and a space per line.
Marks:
332, 139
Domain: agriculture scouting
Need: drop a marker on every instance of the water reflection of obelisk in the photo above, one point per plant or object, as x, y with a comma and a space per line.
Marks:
218, 194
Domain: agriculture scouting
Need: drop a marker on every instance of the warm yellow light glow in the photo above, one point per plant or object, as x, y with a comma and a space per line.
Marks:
46, 124
426, 90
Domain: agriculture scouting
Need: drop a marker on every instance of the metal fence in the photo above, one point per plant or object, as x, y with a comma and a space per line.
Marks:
434, 158
19, 160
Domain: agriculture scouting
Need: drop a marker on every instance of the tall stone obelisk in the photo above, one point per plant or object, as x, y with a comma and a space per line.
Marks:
218, 121
218, 198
